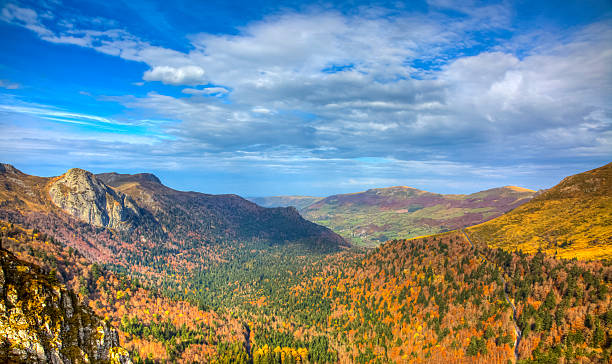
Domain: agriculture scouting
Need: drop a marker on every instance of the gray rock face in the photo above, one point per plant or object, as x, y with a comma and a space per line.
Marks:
43, 322
82, 195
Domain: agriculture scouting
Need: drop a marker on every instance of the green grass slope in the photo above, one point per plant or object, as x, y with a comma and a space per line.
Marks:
376, 215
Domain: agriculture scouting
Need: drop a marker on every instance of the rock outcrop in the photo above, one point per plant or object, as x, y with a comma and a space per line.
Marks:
139, 208
220, 218
43, 322
80, 194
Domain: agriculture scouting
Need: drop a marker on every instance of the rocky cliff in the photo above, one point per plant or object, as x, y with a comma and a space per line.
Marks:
219, 218
43, 322
80, 194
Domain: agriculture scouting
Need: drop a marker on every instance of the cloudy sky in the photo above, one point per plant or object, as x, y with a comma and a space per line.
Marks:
257, 98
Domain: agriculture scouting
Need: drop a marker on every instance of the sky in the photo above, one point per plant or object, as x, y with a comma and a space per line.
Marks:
263, 98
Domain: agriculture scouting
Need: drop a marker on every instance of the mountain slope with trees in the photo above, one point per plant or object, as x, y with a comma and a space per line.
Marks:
105, 221
437, 299
219, 217
433, 299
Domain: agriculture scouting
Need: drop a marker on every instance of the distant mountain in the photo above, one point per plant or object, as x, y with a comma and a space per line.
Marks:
299, 202
572, 219
380, 214
43, 322
104, 215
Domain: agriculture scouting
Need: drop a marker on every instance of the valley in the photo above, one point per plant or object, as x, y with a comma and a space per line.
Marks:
189, 277
305, 182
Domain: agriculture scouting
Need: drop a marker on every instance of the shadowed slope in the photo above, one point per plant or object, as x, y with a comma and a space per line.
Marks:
220, 217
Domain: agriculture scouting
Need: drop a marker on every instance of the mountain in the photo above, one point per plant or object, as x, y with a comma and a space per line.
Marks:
218, 217
299, 202
572, 219
380, 214
103, 216
181, 296
43, 322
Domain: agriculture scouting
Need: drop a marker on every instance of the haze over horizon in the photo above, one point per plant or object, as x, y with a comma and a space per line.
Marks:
259, 99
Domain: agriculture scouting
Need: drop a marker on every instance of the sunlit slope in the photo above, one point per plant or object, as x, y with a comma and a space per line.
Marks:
376, 215
41, 321
572, 219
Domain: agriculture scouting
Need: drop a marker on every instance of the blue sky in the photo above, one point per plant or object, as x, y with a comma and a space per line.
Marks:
316, 98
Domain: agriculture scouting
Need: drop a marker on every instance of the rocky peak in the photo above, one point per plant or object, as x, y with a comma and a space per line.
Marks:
116, 179
82, 195
8, 169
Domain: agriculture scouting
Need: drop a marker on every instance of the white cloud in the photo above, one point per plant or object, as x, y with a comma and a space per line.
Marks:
551, 98
27, 18
68, 117
262, 110
206, 91
187, 75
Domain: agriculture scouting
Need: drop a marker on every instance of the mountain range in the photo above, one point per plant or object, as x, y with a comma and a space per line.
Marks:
111, 209
172, 276
299, 202
371, 217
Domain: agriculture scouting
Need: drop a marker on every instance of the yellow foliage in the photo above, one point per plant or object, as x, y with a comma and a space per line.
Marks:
568, 228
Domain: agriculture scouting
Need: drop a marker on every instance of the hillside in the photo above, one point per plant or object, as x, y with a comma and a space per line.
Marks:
219, 218
119, 297
572, 219
433, 299
299, 202
104, 220
374, 216
438, 299
42, 322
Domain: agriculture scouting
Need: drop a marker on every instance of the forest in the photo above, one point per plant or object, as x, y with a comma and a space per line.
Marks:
432, 299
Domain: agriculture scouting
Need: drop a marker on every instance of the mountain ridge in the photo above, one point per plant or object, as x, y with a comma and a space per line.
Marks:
571, 219
378, 214
102, 220
159, 198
